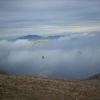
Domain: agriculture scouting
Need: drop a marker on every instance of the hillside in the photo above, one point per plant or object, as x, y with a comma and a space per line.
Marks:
3, 72
36, 37
97, 76
14, 87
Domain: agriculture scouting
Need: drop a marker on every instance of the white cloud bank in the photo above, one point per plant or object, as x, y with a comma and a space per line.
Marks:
61, 59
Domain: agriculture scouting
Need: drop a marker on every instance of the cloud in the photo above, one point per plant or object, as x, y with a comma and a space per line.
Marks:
77, 36
18, 57
60, 60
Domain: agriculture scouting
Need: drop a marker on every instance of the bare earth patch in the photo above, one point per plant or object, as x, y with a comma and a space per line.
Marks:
15, 87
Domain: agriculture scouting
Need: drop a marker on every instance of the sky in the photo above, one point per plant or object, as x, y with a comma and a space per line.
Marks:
77, 20
48, 17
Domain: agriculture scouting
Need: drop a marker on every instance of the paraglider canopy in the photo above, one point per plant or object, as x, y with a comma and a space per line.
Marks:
41, 41
79, 52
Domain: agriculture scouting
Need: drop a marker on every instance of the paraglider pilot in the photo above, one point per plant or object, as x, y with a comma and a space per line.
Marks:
42, 57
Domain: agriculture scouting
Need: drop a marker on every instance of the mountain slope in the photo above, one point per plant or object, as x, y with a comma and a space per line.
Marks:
3, 72
97, 76
14, 87
29, 37
36, 37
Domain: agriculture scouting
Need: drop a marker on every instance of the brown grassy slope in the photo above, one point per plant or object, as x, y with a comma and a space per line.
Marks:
13, 87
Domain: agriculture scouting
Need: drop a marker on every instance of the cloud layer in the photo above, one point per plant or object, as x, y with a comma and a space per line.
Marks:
61, 60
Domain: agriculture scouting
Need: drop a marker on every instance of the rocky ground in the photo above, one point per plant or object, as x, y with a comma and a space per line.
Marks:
14, 87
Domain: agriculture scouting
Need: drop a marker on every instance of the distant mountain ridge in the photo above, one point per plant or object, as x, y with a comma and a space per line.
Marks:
28, 37
97, 76
36, 37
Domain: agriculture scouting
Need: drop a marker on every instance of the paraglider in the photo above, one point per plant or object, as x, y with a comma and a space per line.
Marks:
41, 41
79, 52
42, 57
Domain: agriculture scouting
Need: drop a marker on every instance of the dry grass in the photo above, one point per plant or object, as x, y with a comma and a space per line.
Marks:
13, 87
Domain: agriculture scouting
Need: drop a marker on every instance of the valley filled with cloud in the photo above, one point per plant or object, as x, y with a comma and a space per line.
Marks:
61, 59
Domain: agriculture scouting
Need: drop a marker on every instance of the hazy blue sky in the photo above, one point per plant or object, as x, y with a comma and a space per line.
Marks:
48, 17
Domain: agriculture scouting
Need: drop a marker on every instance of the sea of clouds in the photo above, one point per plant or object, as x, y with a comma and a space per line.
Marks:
61, 60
